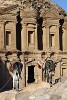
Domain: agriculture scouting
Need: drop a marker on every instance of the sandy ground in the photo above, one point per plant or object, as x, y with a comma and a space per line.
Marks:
35, 86
10, 95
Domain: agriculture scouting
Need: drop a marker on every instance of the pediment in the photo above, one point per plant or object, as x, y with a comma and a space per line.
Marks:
8, 9
50, 14
29, 14
51, 10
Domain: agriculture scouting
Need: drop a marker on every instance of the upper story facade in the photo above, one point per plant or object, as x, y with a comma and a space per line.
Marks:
32, 25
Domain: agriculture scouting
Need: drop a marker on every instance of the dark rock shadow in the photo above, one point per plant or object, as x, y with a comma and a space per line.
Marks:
5, 77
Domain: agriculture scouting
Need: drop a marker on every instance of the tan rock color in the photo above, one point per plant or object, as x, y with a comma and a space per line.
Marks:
31, 29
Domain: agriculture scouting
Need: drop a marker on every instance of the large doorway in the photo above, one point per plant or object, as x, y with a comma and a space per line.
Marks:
31, 74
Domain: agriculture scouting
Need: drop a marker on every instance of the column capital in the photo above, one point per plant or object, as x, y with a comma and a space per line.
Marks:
12, 58
24, 24
47, 26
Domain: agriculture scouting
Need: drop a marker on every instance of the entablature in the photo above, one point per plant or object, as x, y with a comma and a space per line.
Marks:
29, 20
8, 17
50, 22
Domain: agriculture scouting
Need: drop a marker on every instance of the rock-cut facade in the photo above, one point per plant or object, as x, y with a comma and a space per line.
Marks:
31, 29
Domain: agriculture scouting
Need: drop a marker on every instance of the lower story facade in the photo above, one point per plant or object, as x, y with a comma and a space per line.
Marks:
30, 71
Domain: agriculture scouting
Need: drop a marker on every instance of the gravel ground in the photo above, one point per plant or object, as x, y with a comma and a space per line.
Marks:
41, 91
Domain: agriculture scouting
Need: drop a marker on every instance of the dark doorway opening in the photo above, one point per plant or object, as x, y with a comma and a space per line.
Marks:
31, 74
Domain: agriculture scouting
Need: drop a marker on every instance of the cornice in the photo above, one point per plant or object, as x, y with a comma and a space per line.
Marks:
8, 18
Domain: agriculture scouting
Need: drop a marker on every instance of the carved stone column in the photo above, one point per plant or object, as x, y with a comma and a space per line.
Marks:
13, 37
24, 37
2, 35
64, 40
36, 42
57, 38
47, 37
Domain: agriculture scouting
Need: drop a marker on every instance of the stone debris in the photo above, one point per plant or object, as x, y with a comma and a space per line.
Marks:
56, 92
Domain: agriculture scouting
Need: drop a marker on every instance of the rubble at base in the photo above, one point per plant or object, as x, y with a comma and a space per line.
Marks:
40, 91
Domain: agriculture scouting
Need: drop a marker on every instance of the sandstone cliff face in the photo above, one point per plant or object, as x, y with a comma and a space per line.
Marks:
33, 26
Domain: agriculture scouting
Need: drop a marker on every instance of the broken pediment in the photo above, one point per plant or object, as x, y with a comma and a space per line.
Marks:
29, 14
31, 8
50, 14
51, 10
